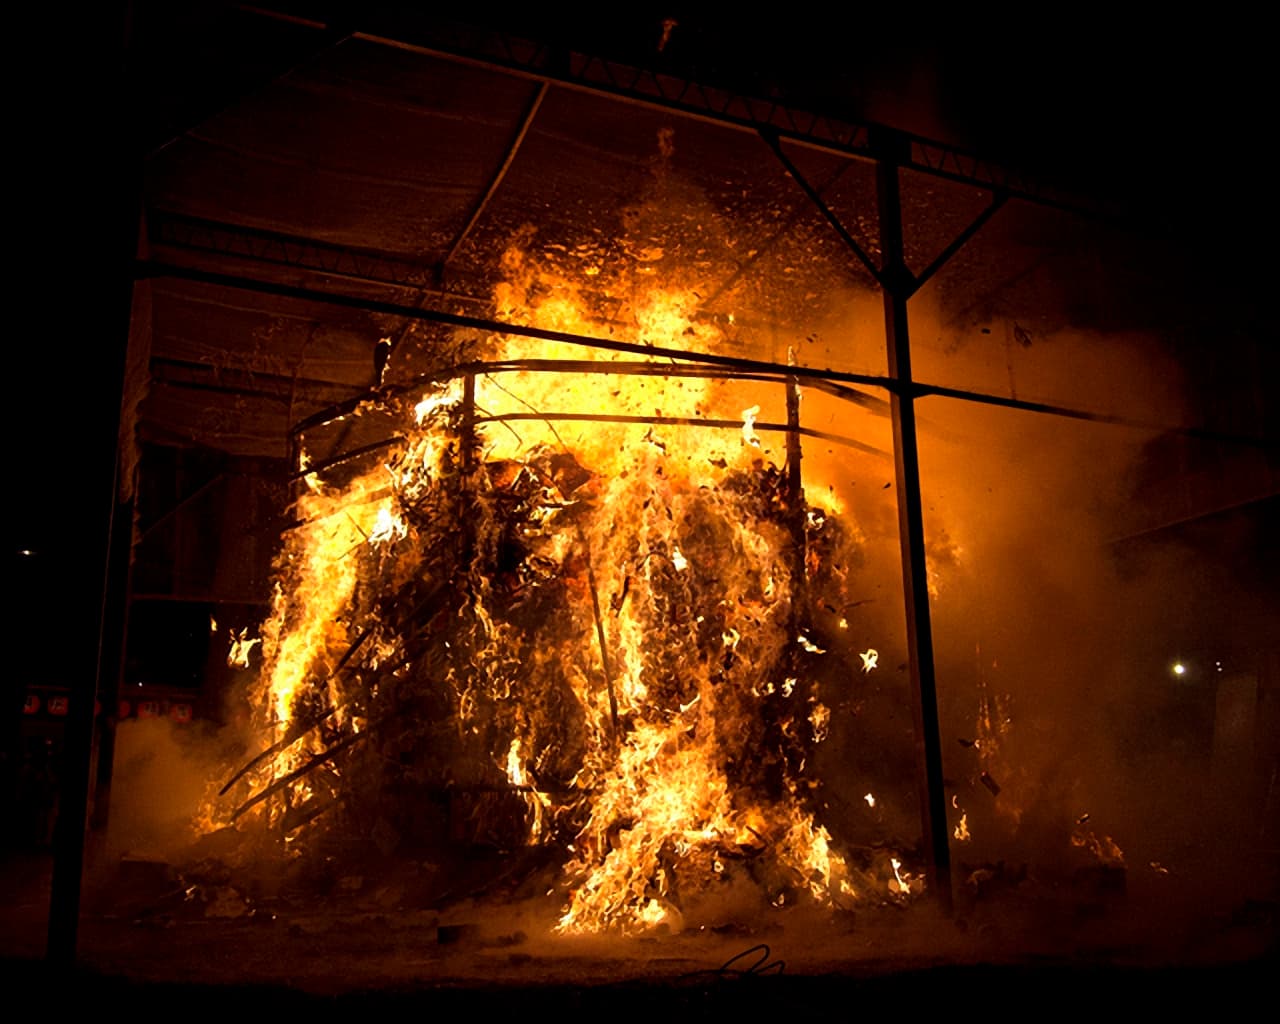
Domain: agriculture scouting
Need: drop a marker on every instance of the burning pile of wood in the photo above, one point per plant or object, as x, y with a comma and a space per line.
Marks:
620, 666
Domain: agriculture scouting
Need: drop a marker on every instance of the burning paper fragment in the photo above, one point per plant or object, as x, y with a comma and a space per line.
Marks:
668, 24
1102, 848
241, 646
820, 719
388, 527
869, 658
870, 799
749, 435
898, 884
437, 401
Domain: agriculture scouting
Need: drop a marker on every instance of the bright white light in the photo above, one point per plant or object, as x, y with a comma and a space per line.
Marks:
1179, 669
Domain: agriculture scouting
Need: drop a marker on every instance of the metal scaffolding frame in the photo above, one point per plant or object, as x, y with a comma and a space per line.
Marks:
490, 48
891, 151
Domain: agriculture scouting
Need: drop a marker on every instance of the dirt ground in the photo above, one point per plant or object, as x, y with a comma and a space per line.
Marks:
145, 941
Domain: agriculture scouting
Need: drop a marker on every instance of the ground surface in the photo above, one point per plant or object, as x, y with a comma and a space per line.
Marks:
145, 944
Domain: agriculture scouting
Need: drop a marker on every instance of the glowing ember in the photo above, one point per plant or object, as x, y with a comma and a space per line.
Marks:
961, 831
871, 800
869, 658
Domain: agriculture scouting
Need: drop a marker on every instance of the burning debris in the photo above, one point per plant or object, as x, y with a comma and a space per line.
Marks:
241, 647
1102, 848
613, 653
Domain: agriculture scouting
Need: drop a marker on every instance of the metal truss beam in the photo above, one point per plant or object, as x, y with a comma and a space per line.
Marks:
197, 234
844, 136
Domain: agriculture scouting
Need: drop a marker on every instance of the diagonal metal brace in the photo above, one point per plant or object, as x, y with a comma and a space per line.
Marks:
998, 198
775, 143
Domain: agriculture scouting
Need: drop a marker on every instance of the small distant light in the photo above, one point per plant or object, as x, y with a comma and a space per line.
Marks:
26, 552
1218, 665
1179, 669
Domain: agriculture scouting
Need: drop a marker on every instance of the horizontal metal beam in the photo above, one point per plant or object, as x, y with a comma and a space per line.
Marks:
641, 368
198, 234
1066, 412
198, 376
148, 269
840, 135
806, 374
681, 421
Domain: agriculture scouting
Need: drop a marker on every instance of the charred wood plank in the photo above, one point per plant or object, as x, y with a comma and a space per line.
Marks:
305, 769
296, 731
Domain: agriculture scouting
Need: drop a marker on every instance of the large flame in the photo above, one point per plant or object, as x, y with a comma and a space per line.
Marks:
616, 617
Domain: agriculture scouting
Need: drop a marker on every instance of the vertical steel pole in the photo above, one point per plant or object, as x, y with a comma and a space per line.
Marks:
101, 553
110, 214
897, 285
